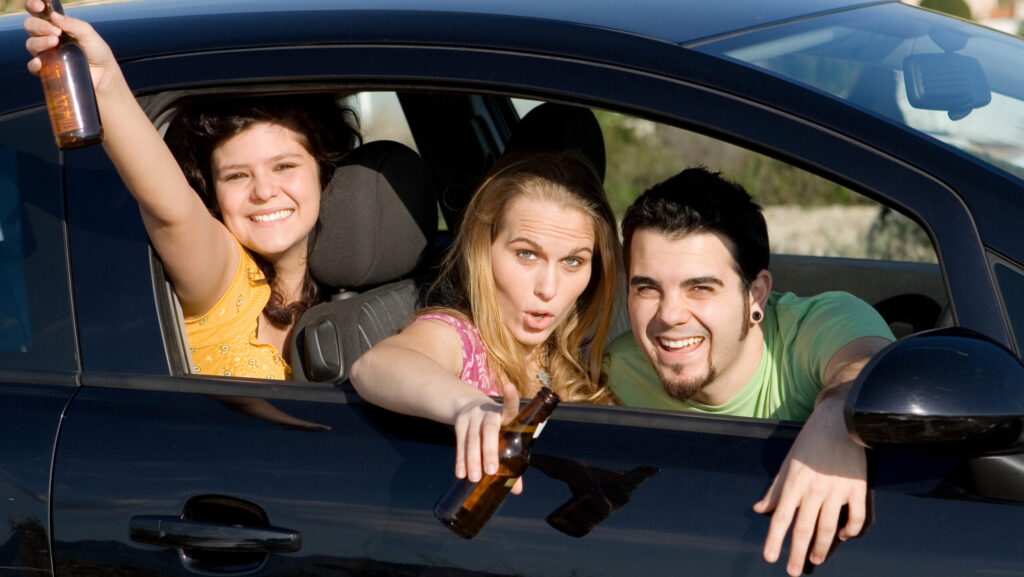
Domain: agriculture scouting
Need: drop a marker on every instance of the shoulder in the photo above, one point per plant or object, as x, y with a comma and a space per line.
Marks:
449, 320
627, 372
623, 344
823, 311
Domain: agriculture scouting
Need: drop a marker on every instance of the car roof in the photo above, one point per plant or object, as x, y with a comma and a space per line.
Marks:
678, 22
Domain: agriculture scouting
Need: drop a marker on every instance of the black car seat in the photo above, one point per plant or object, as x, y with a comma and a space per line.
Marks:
554, 126
378, 221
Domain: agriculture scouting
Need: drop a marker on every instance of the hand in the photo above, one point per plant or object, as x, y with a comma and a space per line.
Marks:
44, 35
823, 472
477, 427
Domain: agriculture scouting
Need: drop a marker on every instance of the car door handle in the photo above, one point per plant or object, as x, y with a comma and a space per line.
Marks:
187, 534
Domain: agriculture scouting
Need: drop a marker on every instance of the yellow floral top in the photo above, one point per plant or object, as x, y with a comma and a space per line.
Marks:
223, 341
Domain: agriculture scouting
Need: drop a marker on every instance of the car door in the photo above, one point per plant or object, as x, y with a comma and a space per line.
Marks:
164, 474
38, 353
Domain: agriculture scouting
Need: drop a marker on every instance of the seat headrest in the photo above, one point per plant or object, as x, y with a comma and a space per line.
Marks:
378, 217
553, 126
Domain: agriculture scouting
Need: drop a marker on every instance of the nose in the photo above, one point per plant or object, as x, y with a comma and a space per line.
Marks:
263, 187
674, 311
545, 285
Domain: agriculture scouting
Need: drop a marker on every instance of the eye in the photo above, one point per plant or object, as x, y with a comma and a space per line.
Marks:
284, 166
573, 261
526, 254
646, 291
233, 176
702, 290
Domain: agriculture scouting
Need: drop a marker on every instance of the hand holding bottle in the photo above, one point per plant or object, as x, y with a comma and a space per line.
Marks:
467, 505
45, 34
477, 431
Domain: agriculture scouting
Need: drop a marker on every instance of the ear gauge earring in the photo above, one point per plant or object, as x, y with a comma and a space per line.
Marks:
755, 316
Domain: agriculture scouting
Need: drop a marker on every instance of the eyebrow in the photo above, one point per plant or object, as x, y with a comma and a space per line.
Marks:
271, 160
537, 248
702, 280
641, 280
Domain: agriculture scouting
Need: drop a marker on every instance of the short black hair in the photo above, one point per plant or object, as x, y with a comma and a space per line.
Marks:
696, 201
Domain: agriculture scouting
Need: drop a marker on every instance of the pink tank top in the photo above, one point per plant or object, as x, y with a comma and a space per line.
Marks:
475, 369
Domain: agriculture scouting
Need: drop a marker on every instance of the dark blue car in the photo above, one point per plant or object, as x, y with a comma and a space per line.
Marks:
115, 460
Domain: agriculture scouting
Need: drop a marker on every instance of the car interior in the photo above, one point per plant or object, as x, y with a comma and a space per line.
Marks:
388, 214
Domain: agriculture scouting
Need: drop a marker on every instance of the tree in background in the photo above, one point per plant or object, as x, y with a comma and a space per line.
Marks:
11, 5
958, 8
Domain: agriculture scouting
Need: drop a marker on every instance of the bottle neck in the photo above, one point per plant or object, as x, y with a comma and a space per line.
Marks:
50, 6
535, 412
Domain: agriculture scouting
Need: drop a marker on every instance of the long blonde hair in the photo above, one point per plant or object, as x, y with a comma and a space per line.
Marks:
466, 283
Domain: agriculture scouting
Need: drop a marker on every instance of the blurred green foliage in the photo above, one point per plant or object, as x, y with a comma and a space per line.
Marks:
641, 154
19, 5
958, 8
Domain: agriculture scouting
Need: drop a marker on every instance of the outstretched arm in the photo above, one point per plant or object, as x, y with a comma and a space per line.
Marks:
196, 249
416, 373
823, 472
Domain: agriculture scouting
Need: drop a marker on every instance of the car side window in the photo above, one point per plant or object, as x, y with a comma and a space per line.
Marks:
806, 214
380, 117
1011, 285
823, 236
35, 313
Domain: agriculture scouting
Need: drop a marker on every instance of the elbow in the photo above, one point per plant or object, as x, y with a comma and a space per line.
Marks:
360, 375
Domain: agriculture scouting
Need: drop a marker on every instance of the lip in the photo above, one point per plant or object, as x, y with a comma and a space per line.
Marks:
538, 320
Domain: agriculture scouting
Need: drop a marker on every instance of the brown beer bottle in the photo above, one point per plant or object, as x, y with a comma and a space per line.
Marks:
67, 85
466, 506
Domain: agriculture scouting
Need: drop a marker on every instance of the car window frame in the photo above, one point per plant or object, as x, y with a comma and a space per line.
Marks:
686, 103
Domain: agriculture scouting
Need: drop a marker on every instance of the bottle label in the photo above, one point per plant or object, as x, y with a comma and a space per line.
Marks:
540, 428
63, 112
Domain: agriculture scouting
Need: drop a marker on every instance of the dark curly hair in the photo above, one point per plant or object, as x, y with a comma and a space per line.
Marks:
700, 201
328, 133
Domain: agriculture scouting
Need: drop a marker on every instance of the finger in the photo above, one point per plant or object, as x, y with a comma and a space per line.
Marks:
518, 487
38, 27
770, 500
803, 532
461, 425
474, 468
825, 534
510, 405
38, 44
785, 509
34, 6
490, 430
856, 516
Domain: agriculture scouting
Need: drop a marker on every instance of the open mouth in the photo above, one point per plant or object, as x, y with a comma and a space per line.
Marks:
273, 216
680, 344
538, 320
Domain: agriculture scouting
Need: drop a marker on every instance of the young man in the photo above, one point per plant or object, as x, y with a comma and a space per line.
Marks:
710, 336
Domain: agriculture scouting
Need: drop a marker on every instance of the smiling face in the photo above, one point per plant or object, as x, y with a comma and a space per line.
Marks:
268, 190
690, 314
541, 260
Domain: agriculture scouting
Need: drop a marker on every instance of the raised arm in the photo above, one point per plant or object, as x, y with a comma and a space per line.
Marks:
196, 249
823, 471
416, 372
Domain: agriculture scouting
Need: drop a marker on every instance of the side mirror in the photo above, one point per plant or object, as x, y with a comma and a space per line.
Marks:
948, 391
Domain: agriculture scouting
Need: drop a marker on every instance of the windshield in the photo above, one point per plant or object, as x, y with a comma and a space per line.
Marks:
961, 83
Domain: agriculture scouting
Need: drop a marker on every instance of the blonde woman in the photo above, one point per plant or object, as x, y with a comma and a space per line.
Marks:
528, 288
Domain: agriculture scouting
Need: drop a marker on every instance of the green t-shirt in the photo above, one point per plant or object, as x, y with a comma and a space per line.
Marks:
801, 334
